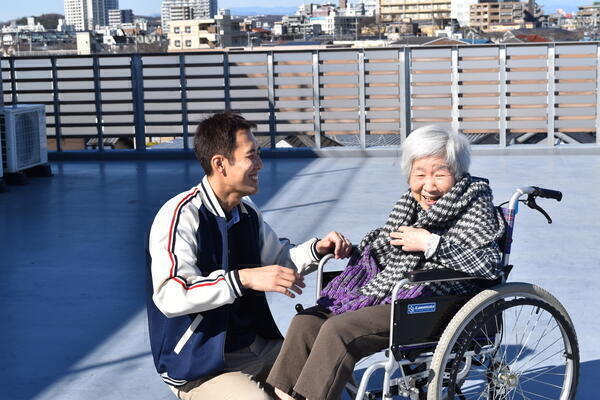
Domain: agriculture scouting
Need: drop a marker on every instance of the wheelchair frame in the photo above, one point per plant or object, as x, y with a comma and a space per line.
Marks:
444, 369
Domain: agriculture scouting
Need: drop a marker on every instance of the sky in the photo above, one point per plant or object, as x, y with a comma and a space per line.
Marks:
23, 8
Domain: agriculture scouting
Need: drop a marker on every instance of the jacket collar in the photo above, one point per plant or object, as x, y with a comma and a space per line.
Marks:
211, 201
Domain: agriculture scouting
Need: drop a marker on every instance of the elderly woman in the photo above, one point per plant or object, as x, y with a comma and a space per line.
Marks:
445, 220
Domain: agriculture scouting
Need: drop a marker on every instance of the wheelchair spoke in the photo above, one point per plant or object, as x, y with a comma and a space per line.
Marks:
523, 344
545, 359
545, 372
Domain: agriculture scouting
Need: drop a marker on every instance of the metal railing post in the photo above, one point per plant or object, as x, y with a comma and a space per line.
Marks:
362, 108
271, 91
56, 105
454, 91
13, 81
98, 102
551, 111
1, 85
184, 102
316, 99
226, 81
597, 94
137, 92
502, 96
404, 92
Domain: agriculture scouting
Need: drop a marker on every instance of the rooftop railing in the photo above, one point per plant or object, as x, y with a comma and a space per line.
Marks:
498, 95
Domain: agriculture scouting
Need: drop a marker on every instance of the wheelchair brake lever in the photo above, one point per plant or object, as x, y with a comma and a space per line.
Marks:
532, 204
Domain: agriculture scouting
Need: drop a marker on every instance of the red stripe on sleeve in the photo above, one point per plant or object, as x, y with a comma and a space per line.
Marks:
171, 230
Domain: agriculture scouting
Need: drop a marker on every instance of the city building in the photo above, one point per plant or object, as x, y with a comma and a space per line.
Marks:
109, 5
206, 33
588, 16
119, 17
428, 14
460, 10
31, 26
85, 15
178, 10
370, 7
502, 16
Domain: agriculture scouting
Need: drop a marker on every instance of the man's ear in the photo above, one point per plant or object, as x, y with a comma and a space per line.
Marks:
217, 163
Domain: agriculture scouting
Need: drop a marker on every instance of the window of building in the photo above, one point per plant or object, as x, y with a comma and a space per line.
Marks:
176, 29
177, 43
188, 43
188, 29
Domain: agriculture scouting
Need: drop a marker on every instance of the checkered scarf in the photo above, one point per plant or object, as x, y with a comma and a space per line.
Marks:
464, 216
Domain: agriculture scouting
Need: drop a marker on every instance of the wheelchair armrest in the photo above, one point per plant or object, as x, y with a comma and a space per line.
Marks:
437, 275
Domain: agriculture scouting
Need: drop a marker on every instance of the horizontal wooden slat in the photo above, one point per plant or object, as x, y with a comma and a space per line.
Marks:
526, 69
431, 119
477, 58
518, 106
576, 130
527, 94
431, 71
575, 105
477, 70
431, 59
576, 81
576, 55
421, 108
476, 131
575, 117
431, 96
489, 94
443, 83
529, 118
577, 68
480, 107
478, 119
527, 57
479, 83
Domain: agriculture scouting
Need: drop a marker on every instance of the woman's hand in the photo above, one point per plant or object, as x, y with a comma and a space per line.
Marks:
410, 239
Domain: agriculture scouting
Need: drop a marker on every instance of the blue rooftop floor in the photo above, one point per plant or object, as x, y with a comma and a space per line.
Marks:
72, 257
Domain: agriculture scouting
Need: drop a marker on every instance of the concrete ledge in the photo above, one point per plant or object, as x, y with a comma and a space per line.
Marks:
306, 152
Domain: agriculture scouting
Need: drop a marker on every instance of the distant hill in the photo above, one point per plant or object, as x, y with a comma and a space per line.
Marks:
246, 11
49, 21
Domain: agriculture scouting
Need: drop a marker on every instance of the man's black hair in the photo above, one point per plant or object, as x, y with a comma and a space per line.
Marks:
216, 135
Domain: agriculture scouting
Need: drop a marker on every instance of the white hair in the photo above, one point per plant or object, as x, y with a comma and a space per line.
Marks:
432, 140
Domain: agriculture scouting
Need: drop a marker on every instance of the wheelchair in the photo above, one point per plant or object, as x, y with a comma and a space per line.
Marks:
508, 341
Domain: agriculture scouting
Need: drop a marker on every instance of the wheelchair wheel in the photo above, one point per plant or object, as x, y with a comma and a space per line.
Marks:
514, 341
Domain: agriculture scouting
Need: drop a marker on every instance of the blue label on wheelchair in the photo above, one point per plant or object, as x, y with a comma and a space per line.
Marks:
421, 308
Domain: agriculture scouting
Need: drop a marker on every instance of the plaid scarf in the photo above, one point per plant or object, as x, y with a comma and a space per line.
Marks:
464, 216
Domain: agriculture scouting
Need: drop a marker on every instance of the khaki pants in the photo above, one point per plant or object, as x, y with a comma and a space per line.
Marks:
318, 355
245, 372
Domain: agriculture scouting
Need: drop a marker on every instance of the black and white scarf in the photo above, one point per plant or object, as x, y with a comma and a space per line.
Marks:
465, 216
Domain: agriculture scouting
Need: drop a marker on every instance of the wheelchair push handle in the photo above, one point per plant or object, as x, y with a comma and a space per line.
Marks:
547, 193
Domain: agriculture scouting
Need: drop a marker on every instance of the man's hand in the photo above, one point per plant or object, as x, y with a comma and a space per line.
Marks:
272, 278
410, 239
335, 243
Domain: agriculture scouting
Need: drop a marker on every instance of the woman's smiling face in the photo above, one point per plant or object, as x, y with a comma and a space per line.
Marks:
430, 178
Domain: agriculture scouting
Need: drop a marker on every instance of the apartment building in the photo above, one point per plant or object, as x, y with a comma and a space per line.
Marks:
500, 16
175, 10
588, 16
207, 33
120, 17
84, 14
426, 13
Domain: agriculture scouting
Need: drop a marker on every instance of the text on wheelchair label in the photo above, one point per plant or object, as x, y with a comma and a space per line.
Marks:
421, 308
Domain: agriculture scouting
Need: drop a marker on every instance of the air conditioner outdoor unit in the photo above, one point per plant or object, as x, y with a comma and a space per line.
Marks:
23, 137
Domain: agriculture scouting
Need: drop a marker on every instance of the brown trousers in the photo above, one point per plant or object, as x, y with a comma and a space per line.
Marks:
318, 355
